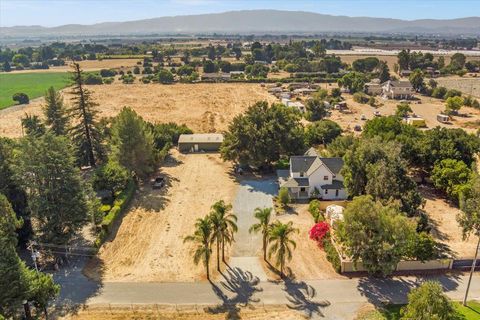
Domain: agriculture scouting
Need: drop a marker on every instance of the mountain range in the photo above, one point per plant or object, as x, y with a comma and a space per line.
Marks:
254, 21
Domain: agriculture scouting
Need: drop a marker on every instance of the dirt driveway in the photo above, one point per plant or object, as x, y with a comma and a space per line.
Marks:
149, 243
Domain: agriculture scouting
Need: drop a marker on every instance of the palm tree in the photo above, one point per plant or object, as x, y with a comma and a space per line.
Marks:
224, 226
281, 243
263, 225
202, 237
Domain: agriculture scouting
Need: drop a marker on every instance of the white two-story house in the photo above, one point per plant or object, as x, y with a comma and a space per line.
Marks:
311, 176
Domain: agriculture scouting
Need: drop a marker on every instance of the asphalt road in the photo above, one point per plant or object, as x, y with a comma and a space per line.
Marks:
330, 299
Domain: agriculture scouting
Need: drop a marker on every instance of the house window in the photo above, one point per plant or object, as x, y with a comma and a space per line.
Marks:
302, 189
336, 193
326, 191
325, 177
302, 174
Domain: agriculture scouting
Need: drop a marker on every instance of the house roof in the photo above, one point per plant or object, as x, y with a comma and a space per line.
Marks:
296, 182
200, 138
404, 84
336, 184
301, 163
333, 164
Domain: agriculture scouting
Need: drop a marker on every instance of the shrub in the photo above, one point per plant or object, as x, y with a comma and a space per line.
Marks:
108, 80
332, 254
422, 247
165, 76
284, 196
136, 70
119, 205
314, 209
105, 73
92, 78
453, 93
319, 231
360, 97
21, 98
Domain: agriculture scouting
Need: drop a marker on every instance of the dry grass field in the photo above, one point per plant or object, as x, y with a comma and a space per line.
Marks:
203, 107
308, 260
469, 86
90, 65
148, 245
248, 313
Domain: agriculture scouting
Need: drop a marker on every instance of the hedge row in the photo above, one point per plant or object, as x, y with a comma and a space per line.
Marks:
332, 254
119, 205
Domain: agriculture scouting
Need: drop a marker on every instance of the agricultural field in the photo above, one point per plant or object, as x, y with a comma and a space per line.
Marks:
203, 107
33, 84
148, 245
469, 86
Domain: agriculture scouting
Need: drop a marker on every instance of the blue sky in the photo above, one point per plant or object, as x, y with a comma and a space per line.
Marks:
59, 12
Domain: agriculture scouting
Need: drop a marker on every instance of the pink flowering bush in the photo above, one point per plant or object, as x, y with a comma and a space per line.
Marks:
319, 231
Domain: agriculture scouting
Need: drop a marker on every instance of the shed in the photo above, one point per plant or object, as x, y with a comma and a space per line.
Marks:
416, 122
200, 142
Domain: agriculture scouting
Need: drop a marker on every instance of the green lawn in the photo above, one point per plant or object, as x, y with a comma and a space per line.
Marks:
471, 312
33, 84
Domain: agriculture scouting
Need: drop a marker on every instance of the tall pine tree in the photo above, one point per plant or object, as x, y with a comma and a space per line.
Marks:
55, 112
84, 132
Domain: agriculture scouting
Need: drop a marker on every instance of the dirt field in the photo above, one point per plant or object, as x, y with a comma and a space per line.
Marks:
149, 243
442, 216
308, 260
89, 65
259, 313
203, 107
427, 109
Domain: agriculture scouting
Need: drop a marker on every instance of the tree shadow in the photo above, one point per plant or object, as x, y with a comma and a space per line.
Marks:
382, 291
242, 285
301, 297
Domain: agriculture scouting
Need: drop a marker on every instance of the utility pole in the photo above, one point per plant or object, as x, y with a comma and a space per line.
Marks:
474, 263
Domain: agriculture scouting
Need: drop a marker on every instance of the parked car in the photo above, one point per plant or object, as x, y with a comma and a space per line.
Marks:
363, 117
357, 127
376, 113
158, 183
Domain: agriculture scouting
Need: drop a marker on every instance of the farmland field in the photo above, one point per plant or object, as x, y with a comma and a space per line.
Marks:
33, 84
205, 107
469, 86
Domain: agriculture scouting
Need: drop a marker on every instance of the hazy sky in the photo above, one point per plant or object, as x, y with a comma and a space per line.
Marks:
59, 12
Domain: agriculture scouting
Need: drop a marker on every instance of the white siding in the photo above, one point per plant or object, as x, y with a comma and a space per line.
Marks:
316, 178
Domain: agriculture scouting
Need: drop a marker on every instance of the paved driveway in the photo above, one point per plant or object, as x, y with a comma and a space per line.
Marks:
251, 194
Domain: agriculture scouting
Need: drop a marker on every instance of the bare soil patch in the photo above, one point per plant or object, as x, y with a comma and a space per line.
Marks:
469, 86
428, 108
148, 245
249, 313
309, 261
446, 229
203, 107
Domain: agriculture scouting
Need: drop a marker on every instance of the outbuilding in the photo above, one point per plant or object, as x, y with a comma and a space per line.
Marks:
200, 142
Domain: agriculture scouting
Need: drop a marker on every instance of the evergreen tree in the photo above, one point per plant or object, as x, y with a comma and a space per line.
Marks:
32, 125
12, 190
57, 198
133, 143
55, 112
85, 132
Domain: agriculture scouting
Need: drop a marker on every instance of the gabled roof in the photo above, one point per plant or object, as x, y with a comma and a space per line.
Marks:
333, 164
301, 163
296, 182
403, 84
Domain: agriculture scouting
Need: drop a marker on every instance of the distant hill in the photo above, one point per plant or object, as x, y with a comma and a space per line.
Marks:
255, 21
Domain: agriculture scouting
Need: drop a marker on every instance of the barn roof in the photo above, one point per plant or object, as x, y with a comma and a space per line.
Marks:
201, 138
